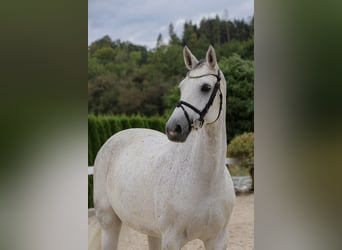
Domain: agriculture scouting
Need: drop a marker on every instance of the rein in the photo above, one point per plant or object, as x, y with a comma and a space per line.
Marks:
204, 111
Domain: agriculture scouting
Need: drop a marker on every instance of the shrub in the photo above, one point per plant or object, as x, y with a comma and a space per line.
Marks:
100, 130
115, 124
137, 122
90, 191
90, 151
157, 123
107, 127
242, 147
94, 142
125, 122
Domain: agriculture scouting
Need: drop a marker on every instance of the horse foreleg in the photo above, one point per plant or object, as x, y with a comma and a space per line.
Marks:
110, 229
154, 243
172, 241
218, 243
171, 245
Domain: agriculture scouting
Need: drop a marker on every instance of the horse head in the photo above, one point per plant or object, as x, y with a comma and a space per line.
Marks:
201, 96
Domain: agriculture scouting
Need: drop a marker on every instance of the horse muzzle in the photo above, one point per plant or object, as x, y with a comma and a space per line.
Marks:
177, 130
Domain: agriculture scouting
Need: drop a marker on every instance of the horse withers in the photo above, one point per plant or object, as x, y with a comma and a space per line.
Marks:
173, 187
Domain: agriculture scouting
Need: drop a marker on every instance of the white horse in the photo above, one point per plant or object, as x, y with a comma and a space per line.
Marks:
175, 188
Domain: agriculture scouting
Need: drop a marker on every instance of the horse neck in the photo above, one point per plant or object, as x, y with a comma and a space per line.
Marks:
209, 149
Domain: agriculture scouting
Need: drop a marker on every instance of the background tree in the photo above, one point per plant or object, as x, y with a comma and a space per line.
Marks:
174, 40
225, 26
239, 75
159, 40
189, 34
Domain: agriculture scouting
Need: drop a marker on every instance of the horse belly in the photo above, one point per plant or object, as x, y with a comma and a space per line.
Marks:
133, 204
131, 185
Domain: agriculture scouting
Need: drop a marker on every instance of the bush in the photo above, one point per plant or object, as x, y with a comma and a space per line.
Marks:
107, 127
115, 124
90, 152
90, 191
137, 122
157, 123
101, 129
242, 147
94, 143
125, 122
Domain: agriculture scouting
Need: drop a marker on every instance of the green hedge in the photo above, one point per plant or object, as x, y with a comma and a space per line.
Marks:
101, 128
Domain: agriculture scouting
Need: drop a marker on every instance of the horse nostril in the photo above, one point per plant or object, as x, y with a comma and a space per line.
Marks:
178, 129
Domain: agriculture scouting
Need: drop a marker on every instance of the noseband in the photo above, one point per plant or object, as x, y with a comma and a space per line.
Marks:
204, 111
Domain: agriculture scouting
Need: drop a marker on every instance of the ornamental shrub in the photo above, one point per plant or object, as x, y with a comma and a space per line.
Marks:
101, 130
90, 151
115, 124
94, 142
137, 122
125, 122
242, 147
106, 126
157, 123
90, 191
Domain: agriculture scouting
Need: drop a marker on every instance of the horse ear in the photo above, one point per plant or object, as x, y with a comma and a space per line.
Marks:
211, 57
189, 59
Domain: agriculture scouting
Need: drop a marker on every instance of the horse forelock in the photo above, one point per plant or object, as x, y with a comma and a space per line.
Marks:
199, 64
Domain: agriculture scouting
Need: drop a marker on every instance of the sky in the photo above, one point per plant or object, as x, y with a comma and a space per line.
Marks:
140, 21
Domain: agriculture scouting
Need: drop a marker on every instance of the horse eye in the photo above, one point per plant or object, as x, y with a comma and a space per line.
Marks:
205, 87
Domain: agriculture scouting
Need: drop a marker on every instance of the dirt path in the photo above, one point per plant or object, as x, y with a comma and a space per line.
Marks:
241, 231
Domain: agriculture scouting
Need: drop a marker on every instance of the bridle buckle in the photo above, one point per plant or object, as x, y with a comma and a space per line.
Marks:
197, 124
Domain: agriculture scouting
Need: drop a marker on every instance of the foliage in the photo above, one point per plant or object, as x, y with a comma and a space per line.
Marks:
171, 99
90, 191
239, 76
156, 123
93, 139
242, 147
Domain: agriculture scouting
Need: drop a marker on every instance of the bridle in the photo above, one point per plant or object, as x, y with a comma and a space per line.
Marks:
199, 122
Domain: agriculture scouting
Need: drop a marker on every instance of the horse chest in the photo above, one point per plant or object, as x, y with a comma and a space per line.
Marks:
201, 221
196, 214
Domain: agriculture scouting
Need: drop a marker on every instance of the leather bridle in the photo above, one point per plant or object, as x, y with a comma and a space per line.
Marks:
204, 111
